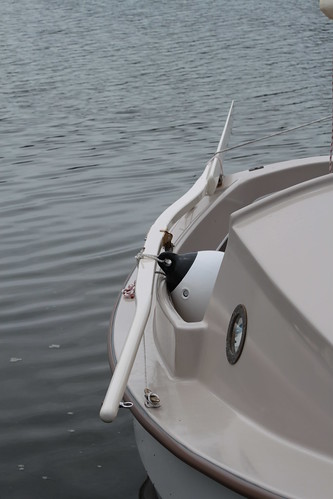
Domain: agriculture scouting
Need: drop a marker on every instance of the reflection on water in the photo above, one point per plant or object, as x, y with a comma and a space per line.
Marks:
109, 112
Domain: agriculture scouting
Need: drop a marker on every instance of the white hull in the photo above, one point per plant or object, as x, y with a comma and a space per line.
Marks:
244, 371
240, 429
172, 477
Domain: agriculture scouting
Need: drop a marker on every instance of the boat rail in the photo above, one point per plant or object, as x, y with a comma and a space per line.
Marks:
204, 186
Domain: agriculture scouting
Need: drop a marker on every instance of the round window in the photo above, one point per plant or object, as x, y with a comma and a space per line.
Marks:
236, 334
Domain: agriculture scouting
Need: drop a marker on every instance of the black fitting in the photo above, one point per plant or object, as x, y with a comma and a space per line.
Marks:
175, 267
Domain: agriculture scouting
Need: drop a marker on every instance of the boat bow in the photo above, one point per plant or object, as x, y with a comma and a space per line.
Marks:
204, 186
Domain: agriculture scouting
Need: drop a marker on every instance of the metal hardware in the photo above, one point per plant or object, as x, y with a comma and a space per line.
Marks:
125, 405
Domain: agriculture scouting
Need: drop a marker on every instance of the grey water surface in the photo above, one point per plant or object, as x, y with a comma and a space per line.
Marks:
109, 111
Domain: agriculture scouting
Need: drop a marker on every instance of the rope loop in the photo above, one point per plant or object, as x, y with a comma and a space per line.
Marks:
129, 291
141, 255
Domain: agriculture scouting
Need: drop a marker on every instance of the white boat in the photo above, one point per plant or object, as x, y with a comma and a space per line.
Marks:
222, 340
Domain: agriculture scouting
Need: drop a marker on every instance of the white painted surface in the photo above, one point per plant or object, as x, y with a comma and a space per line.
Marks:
172, 477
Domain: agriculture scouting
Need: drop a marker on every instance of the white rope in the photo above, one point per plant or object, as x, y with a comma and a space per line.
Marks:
145, 358
142, 255
275, 134
152, 400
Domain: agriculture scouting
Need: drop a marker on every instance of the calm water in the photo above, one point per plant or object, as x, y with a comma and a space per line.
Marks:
109, 111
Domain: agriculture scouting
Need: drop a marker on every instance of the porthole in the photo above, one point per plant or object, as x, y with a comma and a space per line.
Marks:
236, 334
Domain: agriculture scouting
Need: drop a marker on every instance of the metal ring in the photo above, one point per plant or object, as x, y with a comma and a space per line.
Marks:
236, 334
